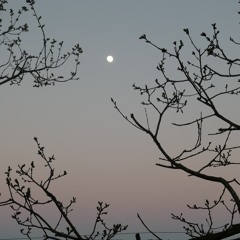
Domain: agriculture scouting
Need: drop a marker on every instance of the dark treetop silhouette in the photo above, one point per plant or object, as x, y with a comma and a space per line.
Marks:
205, 79
42, 66
25, 187
29, 195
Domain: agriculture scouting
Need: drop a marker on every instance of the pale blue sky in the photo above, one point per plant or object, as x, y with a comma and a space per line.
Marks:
107, 160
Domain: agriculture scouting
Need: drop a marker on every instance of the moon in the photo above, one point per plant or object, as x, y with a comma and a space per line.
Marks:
109, 59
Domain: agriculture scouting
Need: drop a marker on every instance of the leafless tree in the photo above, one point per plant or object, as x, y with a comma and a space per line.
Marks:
29, 195
196, 93
42, 66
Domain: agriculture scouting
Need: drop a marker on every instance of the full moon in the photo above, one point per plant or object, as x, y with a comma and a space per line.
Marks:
109, 59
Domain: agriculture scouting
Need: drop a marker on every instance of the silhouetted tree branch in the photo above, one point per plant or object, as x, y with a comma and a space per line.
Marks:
43, 66
148, 229
29, 196
209, 75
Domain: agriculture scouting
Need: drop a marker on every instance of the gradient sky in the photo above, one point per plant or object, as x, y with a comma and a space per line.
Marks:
106, 159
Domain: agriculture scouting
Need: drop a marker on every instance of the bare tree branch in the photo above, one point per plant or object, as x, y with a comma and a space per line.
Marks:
200, 82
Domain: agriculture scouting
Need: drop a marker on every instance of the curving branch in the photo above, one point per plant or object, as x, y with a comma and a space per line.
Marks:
27, 206
199, 83
43, 67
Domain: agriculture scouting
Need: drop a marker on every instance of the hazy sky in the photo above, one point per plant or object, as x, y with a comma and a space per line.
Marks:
106, 159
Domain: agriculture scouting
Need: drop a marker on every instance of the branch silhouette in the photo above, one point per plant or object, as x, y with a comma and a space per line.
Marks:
199, 85
29, 195
43, 66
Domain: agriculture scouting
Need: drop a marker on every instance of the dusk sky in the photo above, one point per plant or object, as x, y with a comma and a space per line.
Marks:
105, 157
